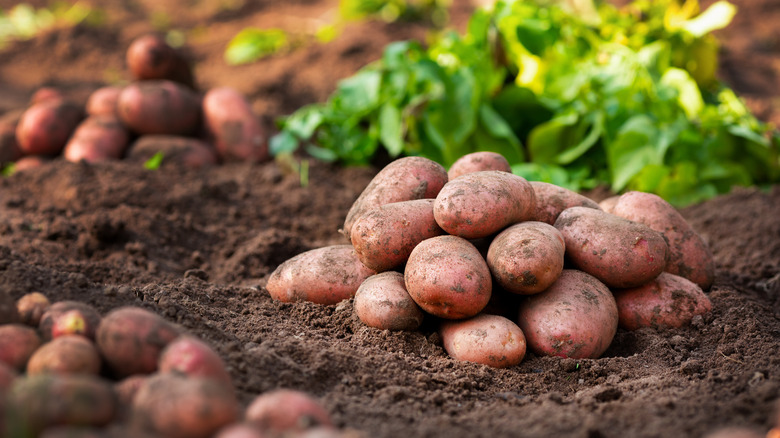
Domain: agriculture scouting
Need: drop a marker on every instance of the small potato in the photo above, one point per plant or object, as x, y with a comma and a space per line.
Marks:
176, 150
17, 343
383, 302
192, 357
45, 127
575, 317
69, 318
478, 161
102, 102
487, 339
667, 301
151, 57
96, 139
689, 255
159, 107
526, 258
67, 354
619, 252
286, 410
404, 179
324, 275
8, 311
130, 340
447, 277
480, 204
236, 130
551, 200
384, 236
31, 308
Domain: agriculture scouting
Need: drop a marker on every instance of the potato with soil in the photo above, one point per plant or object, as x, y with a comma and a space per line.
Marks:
103, 101
576, 317
45, 127
17, 343
175, 149
151, 57
67, 354
324, 275
619, 252
478, 161
483, 203
404, 179
233, 126
159, 107
384, 236
31, 307
487, 339
97, 139
447, 277
69, 318
689, 255
383, 302
526, 258
551, 200
192, 357
667, 301
286, 410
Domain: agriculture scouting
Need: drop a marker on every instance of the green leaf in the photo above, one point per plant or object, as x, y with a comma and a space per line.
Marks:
450, 120
360, 93
634, 147
391, 129
689, 96
155, 161
547, 139
321, 153
717, 16
252, 44
594, 123
499, 129
284, 142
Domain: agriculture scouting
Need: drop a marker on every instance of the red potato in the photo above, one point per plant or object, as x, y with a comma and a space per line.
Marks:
526, 258
44, 94
237, 131
383, 302
286, 410
176, 150
45, 127
8, 311
130, 340
159, 107
69, 318
619, 252
667, 301
177, 406
404, 179
487, 339
31, 307
478, 161
17, 343
324, 275
384, 236
576, 317
193, 357
7, 376
447, 277
103, 101
96, 139
151, 57
551, 200
67, 354
480, 204
689, 255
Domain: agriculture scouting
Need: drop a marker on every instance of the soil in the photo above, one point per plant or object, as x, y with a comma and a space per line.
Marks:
197, 247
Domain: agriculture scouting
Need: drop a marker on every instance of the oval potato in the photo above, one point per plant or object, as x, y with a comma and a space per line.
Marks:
487, 339
159, 107
237, 132
478, 161
150, 57
383, 302
551, 200
45, 127
96, 139
286, 410
102, 102
17, 343
68, 318
31, 307
191, 356
68, 354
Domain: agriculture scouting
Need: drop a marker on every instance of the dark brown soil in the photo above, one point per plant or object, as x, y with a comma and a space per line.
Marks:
198, 246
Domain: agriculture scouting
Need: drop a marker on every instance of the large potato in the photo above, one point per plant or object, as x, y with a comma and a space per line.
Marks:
46, 126
478, 161
447, 277
176, 150
404, 179
619, 252
576, 317
689, 255
96, 139
479, 204
236, 130
324, 275
526, 258
383, 302
159, 107
487, 339
384, 236
551, 200
667, 301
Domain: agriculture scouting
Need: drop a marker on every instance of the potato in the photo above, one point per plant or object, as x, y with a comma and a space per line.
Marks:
447, 277
575, 317
8, 311
526, 258
240, 430
487, 339
324, 275
608, 204
667, 301
404, 179
46, 126
17, 343
96, 139
127, 388
384, 236
31, 307
67, 354
130, 340
191, 356
159, 107
619, 252
237, 131
69, 318
151, 57
44, 94
30, 162
480, 204
176, 150
383, 302
551, 200
177, 406
689, 255
7, 376
102, 102
286, 410
478, 161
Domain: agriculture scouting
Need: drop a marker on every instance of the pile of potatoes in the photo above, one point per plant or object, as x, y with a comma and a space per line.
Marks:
160, 111
502, 264
67, 371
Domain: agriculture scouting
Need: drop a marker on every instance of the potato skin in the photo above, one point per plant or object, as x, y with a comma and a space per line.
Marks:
159, 107
177, 150
31, 307
286, 410
487, 339
324, 275
102, 102
551, 200
667, 301
382, 302
17, 343
526, 258
96, 139
478, 161
68, 318
482, 203
619, 252
575, 317
447, 277
237, 132
191, 356
68, 354
689, 255
404, 179
151, 57
384, 236
45, 127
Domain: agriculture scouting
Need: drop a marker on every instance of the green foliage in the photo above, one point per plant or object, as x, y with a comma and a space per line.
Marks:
7, 170
434, 11
24, 21
252, 44
155, 161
